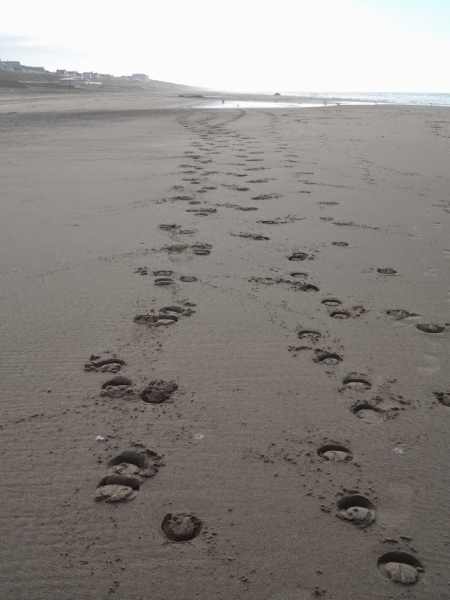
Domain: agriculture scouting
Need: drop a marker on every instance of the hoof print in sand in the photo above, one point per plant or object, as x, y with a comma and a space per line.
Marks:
169, 226
163, 273
443, 397
111, 365
357, 509
147, 319
266, 197
117, 387
202, 211
332, 302
398, 314
299, 274
115, 493
177, 248
340, 314
357, 381
176, 311
185, 198
167, 316
368, 413
327, 358
126, 473
337, 312
181, 527
309, 334
162, 281
252, 236
342, 244
158, 391
400, 567
142, 270
387, 271
430, 328
300, 256
306, 287
188, 279
335, 453
201, 249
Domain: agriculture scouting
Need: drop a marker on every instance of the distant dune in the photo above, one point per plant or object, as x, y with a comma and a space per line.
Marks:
165, 86
48, 81
19, 80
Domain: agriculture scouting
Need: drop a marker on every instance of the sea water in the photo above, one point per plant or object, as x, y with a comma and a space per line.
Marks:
424, 99
276, 104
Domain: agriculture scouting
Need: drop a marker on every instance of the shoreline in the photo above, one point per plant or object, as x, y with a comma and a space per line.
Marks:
134, 99
112, 102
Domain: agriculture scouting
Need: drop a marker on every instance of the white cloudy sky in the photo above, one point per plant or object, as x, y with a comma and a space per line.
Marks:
285, 45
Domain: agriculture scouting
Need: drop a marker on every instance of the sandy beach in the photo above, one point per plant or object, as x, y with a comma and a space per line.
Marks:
272, 288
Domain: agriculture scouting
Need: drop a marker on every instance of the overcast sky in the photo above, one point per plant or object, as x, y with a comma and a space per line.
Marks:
251, 45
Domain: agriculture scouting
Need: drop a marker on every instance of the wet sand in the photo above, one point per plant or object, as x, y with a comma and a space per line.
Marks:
300, 257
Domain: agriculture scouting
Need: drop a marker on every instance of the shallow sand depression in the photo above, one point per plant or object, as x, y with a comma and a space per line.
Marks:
179, 418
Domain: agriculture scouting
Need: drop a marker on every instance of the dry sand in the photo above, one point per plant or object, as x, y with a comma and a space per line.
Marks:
241, 440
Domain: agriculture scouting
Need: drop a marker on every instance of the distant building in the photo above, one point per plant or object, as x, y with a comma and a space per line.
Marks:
140, 77
33, 69
89, 75
15, 67
11, 65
